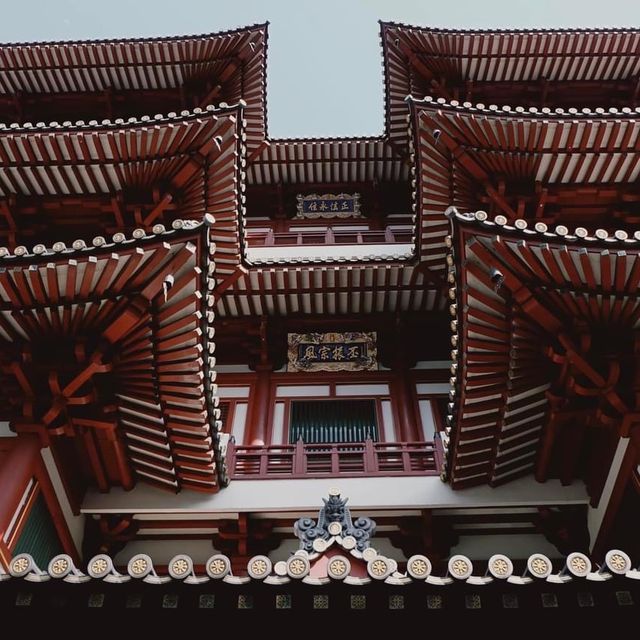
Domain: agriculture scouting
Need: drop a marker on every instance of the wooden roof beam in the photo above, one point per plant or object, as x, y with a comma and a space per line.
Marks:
424, 71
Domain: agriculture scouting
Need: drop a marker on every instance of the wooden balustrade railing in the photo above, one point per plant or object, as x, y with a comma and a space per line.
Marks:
330, 236
302, 460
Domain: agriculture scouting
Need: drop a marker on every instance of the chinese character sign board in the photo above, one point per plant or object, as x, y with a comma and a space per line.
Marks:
329, 205
354, 351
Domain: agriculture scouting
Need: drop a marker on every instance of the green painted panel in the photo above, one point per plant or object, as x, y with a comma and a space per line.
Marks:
328, 421
39, 536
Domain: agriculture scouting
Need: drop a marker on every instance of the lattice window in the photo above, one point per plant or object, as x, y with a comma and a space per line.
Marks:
329, 421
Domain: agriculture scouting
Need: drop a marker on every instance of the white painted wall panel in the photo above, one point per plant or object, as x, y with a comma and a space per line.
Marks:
239, 422
428, 423
433, 364
233, 392
5, 431
296, 391
387, 422
362, 389
278, 424
433, 388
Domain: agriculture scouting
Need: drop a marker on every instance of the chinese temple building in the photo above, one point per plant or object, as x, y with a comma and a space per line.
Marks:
396, 372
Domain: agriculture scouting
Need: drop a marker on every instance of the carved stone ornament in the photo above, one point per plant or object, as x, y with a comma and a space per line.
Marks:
500, 567
298, 566
180, 567
21, 565
259, 567
618, 562
379, 568
419, 567
218, 566
578, 564
339, 567
460, 567
334, 519
539, 565
140, 566
60, 566
99, 566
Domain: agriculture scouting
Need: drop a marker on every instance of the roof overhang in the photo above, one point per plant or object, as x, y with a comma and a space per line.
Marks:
544, 331
133, 320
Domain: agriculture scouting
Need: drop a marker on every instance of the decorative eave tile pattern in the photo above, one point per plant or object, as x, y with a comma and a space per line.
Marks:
576, 567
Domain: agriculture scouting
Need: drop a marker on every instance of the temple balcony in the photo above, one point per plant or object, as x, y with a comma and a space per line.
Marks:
358, 459
312, 242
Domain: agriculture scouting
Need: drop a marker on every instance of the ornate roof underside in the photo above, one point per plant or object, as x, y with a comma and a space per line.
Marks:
567, 167
340, 288
337, 160
560, 68
110, 346
545, 343
120, 77
63, 183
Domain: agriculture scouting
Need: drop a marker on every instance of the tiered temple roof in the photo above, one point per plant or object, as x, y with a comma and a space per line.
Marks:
541, 68
545, 350
568, 167
92, 80
110, 345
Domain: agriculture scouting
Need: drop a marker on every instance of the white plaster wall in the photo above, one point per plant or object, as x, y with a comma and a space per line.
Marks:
362, 390
388, 422
296, 391
277, 433
426, 417
442, 388
239, 422
232, 368
5, 431
364, 494
433, 364
518, 546
233, 392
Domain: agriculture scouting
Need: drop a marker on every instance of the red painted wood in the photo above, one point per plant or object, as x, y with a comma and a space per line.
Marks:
19, 464
344, 460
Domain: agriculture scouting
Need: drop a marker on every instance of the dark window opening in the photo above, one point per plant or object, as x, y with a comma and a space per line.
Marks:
224, 417
329, 421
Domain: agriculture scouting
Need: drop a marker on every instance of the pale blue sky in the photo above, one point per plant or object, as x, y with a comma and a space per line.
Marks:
324, 60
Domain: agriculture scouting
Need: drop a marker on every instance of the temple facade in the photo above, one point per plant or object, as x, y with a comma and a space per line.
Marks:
350, 373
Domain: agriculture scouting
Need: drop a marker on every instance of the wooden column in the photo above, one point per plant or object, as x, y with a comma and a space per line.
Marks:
257, 430
259, 405
402, 397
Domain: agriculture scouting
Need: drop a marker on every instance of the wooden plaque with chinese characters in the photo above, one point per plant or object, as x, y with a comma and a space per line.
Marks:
353, 351
329, 205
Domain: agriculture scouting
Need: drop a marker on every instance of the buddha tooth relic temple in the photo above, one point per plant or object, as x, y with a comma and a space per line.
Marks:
394, 372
